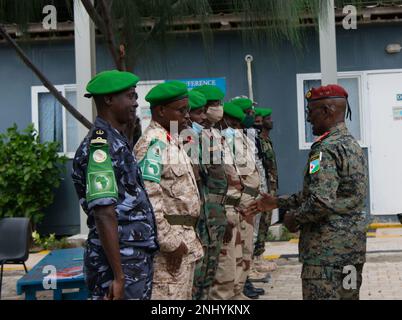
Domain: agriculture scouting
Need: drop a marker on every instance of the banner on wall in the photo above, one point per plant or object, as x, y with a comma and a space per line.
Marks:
143, 87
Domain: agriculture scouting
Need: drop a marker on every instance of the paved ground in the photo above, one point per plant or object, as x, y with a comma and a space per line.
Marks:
382, 278
382, 274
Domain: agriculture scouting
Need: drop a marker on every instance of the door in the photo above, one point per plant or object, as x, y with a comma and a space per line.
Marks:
385, 153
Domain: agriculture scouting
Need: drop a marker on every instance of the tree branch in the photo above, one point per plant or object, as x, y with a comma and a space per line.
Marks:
104, 28
155, 29
74, 112
117, 53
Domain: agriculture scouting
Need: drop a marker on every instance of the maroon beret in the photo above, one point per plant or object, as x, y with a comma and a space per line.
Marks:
326, 92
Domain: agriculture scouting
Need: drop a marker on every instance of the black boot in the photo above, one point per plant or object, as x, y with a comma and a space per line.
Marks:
249, 293
250, 285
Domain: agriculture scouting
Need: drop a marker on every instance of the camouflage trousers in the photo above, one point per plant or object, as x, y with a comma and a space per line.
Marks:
230, 255
261, 229
137, 267
210, 230
330, 283
177, 286
247, 236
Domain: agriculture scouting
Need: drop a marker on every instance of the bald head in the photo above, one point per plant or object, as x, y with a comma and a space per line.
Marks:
338, 107
325, 114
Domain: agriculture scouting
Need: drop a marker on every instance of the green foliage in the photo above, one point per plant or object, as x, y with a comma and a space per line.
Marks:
50, 242
29, 173
286, 235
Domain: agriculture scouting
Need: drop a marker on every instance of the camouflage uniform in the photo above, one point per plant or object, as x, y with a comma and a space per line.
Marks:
136, 221
176, 203
330, 215
223, 287
211, 226
271, 182
250, 178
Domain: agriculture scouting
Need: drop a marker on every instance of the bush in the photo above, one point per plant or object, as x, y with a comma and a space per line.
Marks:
29, 173
50, 242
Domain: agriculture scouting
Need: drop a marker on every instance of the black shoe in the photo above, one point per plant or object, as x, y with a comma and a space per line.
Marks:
250, 293
250, 286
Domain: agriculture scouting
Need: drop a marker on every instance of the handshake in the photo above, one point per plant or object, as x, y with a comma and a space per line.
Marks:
268, 202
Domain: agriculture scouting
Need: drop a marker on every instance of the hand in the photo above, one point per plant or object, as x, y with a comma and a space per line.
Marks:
251, 209
227, 237
290, 222
116, 290
267, 202
174, 259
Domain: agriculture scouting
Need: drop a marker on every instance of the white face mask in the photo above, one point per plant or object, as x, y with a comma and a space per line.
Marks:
214, 114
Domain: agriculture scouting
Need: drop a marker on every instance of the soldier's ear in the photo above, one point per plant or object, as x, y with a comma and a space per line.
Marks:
108, 99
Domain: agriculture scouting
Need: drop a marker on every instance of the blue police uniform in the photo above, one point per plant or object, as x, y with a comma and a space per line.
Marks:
135, 216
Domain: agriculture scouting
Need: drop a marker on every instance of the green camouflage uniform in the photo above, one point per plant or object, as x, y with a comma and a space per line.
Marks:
329, 212
212, 222
271, 172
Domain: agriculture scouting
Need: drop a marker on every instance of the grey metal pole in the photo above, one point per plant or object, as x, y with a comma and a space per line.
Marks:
329, 67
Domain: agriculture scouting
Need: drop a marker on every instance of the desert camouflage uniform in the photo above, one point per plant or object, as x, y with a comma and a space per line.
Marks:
223, 287
176, 203
245, 151
135, 217
270, 185
212, 223
330, 215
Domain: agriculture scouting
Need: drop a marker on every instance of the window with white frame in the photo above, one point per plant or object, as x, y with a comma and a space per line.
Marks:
53, 121
352, 82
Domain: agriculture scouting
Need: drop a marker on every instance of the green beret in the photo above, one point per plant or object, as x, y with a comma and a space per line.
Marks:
167, 92
244, 103
196, 100
211, 93
111, 81
233, 111
263, 112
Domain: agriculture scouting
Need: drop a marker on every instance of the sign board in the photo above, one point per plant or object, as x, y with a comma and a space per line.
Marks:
143, 87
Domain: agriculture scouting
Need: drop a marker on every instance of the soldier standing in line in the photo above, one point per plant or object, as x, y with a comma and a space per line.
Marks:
264, 124
118, 259
172, 187
213, 184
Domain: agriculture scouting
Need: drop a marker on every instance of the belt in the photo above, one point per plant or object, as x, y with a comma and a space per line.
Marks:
235, 202
217, 198
176, 220
251, 191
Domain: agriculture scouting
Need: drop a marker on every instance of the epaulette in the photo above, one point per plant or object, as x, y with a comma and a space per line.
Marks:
99, 136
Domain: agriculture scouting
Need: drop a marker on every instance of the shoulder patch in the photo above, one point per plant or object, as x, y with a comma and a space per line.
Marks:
101, 181
151, 164
315, 163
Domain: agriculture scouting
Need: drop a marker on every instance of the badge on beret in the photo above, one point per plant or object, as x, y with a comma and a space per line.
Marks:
315, 163
151, 165
308, 94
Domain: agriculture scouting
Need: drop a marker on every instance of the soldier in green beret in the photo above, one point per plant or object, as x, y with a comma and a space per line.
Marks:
213, 188
264, 125
106, 175
172, 187
247, 106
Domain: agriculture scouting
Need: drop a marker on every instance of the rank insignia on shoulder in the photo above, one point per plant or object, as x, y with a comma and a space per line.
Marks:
151, 164
99, 136
315, 163
101, 180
